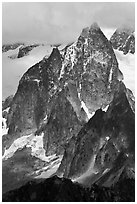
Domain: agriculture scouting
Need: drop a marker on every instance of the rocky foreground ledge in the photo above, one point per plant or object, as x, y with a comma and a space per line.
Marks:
57, 189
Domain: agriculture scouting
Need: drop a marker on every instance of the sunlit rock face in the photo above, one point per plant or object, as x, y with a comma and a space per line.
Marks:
105, 145
123, 39
91, 63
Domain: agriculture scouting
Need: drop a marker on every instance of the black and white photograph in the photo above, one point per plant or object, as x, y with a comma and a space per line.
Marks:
68, 101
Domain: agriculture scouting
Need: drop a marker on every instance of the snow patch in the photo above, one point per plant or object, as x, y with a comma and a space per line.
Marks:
37, 80
106, 170
110, 75
107, 138
106, 108
47, 171
83, 105
17, 144
6, 110
4, 126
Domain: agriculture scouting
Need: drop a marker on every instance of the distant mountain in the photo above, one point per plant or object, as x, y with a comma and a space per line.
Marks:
7, 47
123, 39
24, 50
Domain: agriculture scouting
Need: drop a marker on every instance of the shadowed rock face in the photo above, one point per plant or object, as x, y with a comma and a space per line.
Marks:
124, 40
51, 93
63, 190
105, 144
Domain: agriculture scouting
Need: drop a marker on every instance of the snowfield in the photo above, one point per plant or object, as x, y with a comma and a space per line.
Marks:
13, 69
127, 66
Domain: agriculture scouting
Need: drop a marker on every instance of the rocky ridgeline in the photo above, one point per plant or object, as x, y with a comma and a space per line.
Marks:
123, 39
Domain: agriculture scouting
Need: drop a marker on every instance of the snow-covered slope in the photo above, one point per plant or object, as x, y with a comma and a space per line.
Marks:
127, 66
13, 69
30, 141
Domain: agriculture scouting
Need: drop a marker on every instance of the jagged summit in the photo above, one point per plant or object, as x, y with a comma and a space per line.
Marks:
93, 28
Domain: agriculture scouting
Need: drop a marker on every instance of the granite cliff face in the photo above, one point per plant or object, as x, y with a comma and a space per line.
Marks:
123, 39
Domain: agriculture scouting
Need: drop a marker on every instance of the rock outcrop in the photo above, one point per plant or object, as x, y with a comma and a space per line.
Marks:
25, 49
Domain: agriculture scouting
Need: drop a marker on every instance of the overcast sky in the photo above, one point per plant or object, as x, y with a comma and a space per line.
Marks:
60, 22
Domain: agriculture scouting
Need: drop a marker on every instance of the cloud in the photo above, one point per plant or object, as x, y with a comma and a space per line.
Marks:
60, 22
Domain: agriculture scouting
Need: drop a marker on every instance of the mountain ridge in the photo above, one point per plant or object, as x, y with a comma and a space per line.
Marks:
75, 101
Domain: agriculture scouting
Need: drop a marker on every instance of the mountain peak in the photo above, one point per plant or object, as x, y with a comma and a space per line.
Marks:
94, 26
